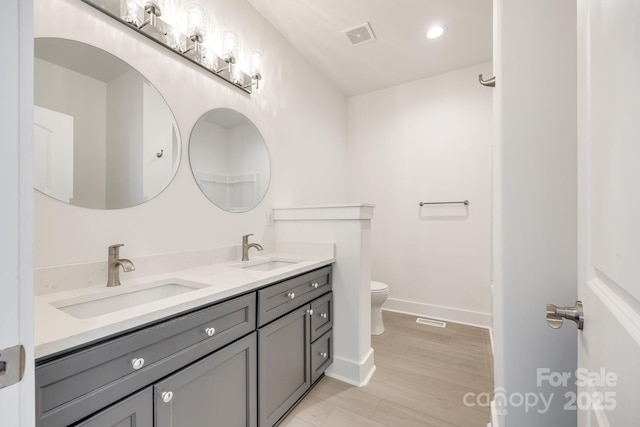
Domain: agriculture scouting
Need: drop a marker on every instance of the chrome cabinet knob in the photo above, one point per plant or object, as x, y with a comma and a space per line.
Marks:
323, 315
291, 295
324, 355
210, 331
167, 396
310, 312
556, 314
137, 363
314, 285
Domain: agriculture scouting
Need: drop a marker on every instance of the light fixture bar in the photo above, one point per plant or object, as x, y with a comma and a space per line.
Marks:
153, 27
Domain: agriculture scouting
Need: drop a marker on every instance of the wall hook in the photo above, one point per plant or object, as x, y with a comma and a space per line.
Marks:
490, 82
160, 153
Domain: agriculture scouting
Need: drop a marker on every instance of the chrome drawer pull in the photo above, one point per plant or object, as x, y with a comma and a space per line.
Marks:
324, 355
291, 295
137, 363
167, 396
310, 312
314, 285
323, 315
210, 331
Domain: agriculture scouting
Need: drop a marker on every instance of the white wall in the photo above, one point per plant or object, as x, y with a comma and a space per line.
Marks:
301, 116
429, 140
536, 207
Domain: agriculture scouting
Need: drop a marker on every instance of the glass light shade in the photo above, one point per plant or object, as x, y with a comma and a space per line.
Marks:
197, 21
255, 58
237, 76
131, 12
205, 57
230, 46
176, 40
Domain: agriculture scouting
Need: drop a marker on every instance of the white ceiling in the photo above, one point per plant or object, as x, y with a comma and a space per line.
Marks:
401, 52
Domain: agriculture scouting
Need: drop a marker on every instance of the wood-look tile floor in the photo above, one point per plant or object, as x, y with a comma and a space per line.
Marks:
423, 373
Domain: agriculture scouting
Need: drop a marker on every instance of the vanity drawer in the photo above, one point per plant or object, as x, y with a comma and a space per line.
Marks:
75, 386
277, 300
321, 355
322, 317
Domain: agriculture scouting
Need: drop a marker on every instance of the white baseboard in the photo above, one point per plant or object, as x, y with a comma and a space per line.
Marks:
347, 371
494, 415
465, 317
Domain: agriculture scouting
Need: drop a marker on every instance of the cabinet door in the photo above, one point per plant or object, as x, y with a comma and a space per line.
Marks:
134, 411
219, 390
284, 367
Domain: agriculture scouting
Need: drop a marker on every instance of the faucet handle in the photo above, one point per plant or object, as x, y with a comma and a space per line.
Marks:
245, 238
114, 249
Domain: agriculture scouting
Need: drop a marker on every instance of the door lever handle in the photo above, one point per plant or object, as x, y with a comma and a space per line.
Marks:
556, 314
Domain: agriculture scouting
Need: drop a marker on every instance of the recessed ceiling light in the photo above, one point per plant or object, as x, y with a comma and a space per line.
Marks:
436, 31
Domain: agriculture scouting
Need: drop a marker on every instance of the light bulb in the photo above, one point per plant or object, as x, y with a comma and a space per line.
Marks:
436, 31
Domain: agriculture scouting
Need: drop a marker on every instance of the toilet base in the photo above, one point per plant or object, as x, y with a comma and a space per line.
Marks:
377, 325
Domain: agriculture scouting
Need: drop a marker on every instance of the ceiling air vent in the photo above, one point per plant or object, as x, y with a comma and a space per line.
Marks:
360, 34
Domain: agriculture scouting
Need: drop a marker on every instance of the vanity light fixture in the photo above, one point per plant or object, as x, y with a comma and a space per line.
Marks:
144, 16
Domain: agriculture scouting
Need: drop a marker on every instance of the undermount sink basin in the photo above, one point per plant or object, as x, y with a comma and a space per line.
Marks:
105, 302
269, 265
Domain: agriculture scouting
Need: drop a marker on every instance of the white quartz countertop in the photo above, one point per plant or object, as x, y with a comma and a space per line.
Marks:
56, 331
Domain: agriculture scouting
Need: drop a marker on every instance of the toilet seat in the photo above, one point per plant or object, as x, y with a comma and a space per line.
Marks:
378, 287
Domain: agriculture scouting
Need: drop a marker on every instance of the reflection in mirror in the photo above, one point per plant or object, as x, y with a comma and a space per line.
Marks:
229, 160
104, 137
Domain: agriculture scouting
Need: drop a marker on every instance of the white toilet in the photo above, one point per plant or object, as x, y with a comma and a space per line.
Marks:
379, 293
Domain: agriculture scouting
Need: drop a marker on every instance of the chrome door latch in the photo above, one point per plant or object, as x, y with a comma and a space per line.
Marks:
12, 364
556, 314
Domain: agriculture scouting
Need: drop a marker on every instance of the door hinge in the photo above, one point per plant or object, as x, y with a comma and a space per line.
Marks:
12, 364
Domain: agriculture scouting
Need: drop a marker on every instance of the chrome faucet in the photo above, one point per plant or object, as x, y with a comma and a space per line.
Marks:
114, 265
246, 246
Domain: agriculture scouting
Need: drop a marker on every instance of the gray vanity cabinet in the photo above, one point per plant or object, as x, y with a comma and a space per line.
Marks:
295, 349
219, 390
135, 411
243, 362
284, 364
73, 387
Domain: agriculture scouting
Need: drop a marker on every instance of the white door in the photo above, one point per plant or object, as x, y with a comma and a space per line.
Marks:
16, 210
609, 219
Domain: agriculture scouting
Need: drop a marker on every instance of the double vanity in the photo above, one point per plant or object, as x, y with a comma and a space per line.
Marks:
202, 340
236, 344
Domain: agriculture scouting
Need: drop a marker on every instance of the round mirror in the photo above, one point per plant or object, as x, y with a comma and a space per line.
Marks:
104, 137
229, 160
